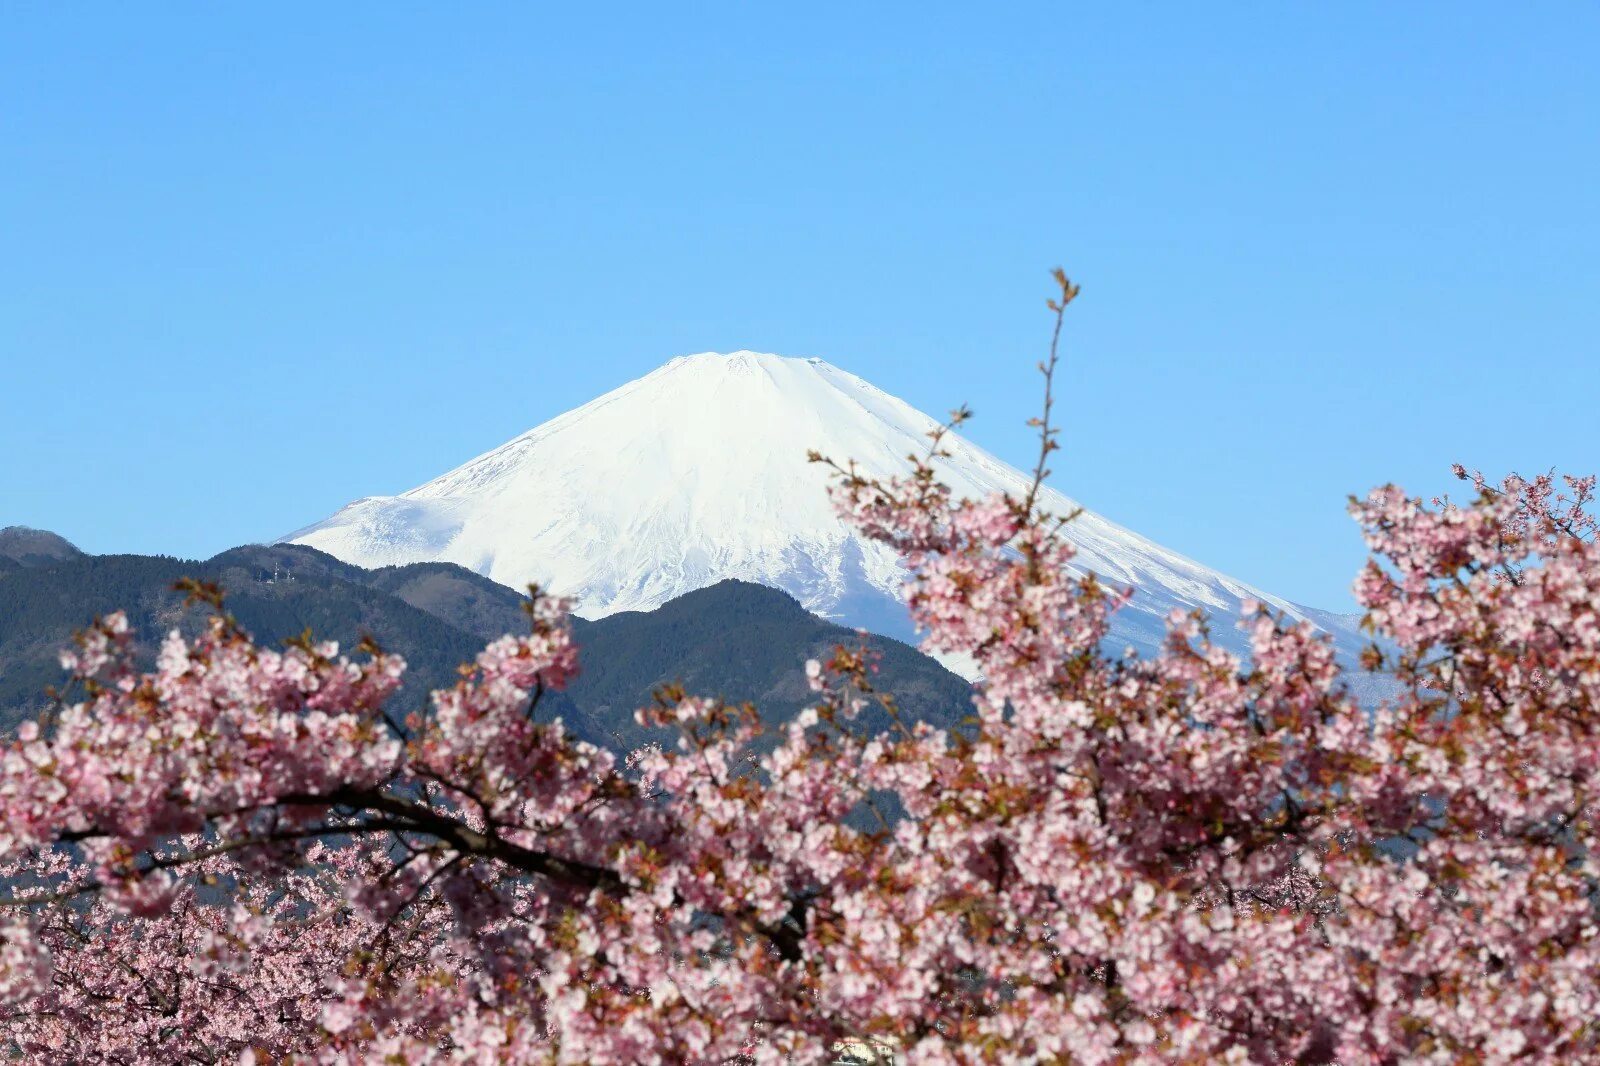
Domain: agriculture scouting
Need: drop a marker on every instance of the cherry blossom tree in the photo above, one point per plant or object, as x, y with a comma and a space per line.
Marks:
246, 856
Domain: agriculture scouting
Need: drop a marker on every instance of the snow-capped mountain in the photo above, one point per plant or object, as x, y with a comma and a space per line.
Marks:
698, 472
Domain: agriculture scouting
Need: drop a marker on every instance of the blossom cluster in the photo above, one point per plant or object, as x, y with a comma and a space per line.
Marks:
244, 855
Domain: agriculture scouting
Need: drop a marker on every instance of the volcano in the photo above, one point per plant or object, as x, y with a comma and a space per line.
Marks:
698, 472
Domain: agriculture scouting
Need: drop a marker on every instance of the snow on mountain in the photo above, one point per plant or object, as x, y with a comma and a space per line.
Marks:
697, 472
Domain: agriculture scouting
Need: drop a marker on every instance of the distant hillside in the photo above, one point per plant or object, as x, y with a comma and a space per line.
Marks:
22, 547
742, 641
735, 640
41, 607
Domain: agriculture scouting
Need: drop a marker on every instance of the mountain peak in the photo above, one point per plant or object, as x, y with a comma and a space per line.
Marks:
745, 356
698, 472
35, 547
731, 590
744, 361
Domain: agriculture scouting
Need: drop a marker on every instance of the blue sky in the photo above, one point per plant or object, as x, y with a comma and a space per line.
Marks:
261, 262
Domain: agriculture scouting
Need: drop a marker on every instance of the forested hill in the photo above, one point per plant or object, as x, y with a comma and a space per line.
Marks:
743, 641
274, 594
735, 640
21, 547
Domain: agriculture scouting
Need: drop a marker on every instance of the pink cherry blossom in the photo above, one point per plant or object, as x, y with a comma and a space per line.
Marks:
245, 855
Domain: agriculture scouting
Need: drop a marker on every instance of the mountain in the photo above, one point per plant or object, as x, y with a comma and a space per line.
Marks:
742, 642
735, 640
697, 472
275, 593
22, 547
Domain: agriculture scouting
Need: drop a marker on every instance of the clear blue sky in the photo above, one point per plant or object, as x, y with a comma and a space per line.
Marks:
260, 262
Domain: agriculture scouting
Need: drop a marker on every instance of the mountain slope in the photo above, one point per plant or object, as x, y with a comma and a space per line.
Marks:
741, 642
736, 641
40, 609
697, 472
22, 546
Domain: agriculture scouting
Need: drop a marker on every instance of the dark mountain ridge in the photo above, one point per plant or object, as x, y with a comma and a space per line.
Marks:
22, 547
734, 640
